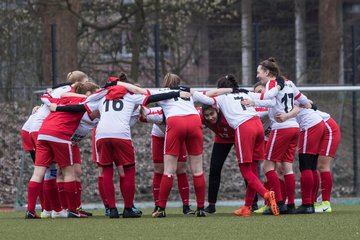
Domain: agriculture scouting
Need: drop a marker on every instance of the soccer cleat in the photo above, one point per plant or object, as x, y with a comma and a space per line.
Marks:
113, 213
305, 209
135, 209
45, 214
210, 209
72, 214
107, 211
282, 208
61, 214
269, 196
155, 209
31, 215
80, 210
130, 213
291, 209
323, 207
187, 210
159, 213
243, 211
254, 207
262, 209
200, 212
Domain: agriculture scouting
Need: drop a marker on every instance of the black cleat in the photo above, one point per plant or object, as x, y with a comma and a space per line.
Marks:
210, 209
187, 210
76, 215
107, 210
130, 213
200, 212
80, 210
135, 209
155, 209
113, 213
305, 209
282, 208
254, 207
159, 213
31, 215
291, 209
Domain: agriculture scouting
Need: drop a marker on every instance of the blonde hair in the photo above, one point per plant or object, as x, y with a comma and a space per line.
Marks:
83, 88
171, 80
76, 76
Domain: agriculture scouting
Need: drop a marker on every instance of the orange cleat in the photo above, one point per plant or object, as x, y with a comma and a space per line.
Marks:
270, 199
243, 211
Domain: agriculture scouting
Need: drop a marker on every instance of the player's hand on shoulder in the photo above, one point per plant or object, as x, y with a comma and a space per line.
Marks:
53, 107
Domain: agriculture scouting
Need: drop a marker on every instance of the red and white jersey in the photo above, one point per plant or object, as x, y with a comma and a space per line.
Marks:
307, 118
115, 115
230, 105
85, 127
325, 116
158, 130
175, 106
27, 125
281, 102
62, 125
43, 111
265, 120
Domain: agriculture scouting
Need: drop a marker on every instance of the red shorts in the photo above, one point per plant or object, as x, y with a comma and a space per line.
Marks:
310, 139
281, 146
331, 139
34, 136
95, 157
249, 141
48, 152
27, 142
157, 147
184, 129
76, 154
119, 151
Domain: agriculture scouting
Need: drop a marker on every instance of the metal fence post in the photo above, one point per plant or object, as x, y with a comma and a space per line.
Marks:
53, 54
157, 50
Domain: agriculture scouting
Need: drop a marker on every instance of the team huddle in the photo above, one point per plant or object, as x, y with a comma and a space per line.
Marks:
265, 125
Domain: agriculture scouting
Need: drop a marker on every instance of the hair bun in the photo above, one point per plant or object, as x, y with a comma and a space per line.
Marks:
122, 76
230, 77
271, 59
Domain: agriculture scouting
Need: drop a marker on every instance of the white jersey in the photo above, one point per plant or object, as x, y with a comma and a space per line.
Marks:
44, 111
307, 118
86, 126
115, 115
281, 102
230, 105
325, 116
27, 125
175, 106
158, 130
155, 115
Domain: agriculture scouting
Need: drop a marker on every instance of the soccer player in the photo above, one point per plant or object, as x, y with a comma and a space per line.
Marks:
249, 139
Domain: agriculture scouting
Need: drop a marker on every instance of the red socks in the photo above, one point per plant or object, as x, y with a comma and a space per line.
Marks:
78, 194
70, 193
51, 195
127, 186
306, 186
254, 184
165, 188
200, 190
274, 183
289, 181
326, 185
183, 185
283, 189
33, 193
62, 196
156, 186
108, 184
316, 184
101, 190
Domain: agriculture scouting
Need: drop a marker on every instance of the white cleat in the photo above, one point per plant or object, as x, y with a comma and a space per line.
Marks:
45, 214
62, 214
324, 207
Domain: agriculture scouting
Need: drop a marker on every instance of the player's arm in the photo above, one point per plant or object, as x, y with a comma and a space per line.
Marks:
165, 96
282, 117
200, 97
219, 91
132, 88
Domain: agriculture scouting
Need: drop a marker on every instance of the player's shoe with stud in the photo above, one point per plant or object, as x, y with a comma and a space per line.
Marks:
305, 209
210, 209
200, 212
113, 213
155, 209
72, 214
130, 213
61, 214
261, 210
159, 213
269, 197
135, 209
323, 207
107, 211
81, 210
291, 209
187, 210
31, 215
45, 214
254, 207
243, 211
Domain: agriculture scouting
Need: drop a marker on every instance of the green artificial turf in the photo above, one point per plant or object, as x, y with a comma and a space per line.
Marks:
342, 223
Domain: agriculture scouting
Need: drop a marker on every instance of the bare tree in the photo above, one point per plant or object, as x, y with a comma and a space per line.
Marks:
246, 42
300, 42
330, 31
